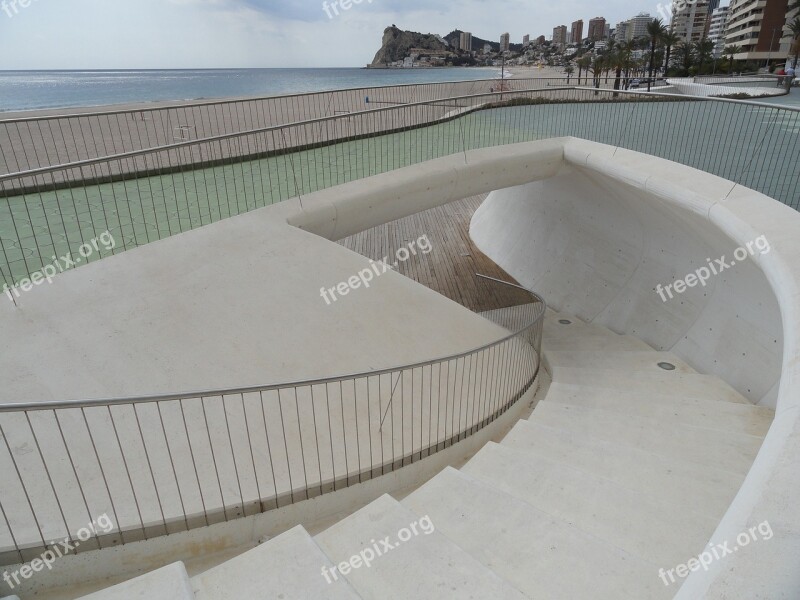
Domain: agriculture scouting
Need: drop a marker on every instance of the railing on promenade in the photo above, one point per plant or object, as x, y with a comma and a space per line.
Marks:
142, 196
152, 466
29, 142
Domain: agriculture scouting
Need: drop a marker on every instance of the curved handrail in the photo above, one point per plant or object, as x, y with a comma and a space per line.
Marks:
50, 405
160, 464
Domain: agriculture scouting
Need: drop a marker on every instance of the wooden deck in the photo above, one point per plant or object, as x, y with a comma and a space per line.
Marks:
450, 267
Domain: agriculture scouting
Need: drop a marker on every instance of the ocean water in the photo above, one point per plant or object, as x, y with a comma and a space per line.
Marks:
30, 90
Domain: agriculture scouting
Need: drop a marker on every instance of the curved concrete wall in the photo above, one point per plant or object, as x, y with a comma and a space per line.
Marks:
593, 244
597, 239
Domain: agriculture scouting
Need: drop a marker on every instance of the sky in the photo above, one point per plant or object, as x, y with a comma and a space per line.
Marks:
174, 34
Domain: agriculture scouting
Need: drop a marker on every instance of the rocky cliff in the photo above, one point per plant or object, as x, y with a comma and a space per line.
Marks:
396, 45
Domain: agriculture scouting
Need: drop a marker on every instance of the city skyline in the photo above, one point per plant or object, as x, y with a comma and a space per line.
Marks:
153, 34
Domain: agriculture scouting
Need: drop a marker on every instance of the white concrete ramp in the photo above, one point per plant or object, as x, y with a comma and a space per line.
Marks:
622, 470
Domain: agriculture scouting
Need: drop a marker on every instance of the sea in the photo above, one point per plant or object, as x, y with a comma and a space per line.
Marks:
34, 90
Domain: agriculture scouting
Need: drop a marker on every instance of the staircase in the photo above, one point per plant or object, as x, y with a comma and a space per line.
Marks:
624, 468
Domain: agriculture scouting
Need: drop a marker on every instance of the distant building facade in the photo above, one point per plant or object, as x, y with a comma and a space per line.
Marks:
757, 26
526, 40
465, 43
716, 31
691, 20
577, 31
560, 36
621, 31
505, 42
597, 29
637, 26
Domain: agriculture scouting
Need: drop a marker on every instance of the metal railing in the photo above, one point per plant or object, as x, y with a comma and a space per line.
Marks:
163, 464
30, 142
147, 195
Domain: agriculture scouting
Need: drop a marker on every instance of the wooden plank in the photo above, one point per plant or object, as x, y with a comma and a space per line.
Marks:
450, 268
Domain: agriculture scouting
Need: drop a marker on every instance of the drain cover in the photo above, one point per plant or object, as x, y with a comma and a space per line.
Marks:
565, 322
667, 366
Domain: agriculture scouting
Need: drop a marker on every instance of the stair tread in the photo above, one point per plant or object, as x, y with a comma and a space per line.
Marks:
167, 583
622, 361
685, 384
622, 517
707, 489
726, 450
288, 566
713, 414
427, 565
542, 556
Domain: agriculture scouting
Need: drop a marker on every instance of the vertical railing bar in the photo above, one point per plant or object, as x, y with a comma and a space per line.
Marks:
127, 471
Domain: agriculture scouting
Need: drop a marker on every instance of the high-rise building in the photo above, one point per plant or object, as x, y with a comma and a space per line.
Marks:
638, 26
716, 31
757, 27
691, 20
607, 31
577, 31
560, 36
540, 40
597, 29
505, 42
465, 43
621, 31
526, 40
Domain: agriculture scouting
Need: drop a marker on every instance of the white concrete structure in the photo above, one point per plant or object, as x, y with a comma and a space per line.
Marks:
623, 468
691, 86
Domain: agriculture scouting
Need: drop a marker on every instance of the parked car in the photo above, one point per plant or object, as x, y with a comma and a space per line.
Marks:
635, 83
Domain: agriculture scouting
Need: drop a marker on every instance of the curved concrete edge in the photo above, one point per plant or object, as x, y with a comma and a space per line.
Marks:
338, 212
771, 490
688, 87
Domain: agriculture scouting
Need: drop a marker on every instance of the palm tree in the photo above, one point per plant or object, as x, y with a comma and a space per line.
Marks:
655, 31
597, 66
670, 38
584, 62
684, 52
569, 70
731, 51
703, 50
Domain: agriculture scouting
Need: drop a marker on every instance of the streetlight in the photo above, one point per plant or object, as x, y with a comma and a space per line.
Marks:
771, 47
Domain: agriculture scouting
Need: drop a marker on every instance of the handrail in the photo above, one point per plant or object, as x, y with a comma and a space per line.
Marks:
172, 104
161, 464
329, 118
238, 134
50, 405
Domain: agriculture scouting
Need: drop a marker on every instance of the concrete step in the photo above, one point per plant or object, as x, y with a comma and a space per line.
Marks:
562, 325
648, 528
685, 385
623, 362
167, 583
542, 556
427, 565
711, 414
290, 566
622, 343
705, 489
720, 449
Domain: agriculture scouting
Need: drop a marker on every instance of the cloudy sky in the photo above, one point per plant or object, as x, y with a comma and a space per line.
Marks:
133, 34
